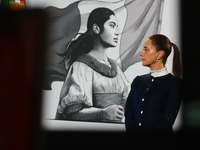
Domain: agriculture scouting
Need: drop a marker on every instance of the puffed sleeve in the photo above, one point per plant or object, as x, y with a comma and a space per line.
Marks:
126, 83
76, 92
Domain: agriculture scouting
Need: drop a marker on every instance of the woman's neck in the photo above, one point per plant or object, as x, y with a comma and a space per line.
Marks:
157, 66
99, 54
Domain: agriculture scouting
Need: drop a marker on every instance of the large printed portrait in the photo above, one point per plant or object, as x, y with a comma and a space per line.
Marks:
93, 55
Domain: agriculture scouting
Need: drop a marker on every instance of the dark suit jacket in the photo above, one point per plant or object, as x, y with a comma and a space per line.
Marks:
153, 103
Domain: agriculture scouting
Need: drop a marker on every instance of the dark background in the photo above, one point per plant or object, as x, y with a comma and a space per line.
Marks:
22, 51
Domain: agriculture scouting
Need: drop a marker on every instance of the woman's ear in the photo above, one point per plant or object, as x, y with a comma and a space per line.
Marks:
96, 29
160, 54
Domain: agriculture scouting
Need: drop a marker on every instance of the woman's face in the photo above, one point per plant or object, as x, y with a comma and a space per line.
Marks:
149, 54
110, 34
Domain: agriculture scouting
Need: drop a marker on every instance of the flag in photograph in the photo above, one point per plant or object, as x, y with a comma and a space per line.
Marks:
137, 19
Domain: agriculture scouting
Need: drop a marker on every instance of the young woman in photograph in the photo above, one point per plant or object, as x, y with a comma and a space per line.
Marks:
95, 88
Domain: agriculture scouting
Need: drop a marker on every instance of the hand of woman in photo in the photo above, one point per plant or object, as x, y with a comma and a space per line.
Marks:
112, 113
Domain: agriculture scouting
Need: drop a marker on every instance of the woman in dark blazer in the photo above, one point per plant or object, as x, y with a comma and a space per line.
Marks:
155, 98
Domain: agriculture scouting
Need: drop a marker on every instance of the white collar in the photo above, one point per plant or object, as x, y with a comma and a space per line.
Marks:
159, 73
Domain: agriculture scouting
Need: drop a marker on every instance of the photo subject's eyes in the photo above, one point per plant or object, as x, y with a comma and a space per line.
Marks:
112, 25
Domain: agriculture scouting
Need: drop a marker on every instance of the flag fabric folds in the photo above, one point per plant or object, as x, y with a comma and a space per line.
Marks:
143, 19
137, 19
64, 24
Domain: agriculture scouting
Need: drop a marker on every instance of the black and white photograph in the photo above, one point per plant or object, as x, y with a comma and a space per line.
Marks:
93, 55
